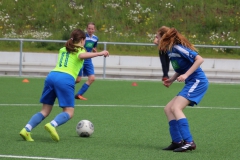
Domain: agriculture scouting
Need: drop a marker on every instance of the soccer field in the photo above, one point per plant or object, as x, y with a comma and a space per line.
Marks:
129, 122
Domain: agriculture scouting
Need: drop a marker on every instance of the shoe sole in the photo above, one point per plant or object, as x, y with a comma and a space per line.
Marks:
23, 133
23, 137
190, 149
54, 137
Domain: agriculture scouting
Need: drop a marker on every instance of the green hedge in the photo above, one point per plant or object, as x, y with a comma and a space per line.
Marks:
203, 22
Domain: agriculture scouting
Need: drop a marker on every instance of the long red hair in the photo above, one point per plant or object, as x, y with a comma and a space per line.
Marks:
171, 37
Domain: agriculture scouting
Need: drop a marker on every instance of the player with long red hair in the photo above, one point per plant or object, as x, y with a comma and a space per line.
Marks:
186, 64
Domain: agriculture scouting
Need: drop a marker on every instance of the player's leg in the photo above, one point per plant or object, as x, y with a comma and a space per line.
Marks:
47, 98
191, 94
25, 133
65, 93
88, 70
60, 119
79, 77
34, 121
173, 127
177, 109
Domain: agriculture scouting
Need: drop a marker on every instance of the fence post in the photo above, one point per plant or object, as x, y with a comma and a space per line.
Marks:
20, 59
104, 62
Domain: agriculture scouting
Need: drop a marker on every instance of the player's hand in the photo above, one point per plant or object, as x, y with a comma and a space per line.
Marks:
104, 53
167, 82
182, 78
94, 50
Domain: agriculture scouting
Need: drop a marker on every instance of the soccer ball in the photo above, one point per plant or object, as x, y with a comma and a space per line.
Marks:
85, 128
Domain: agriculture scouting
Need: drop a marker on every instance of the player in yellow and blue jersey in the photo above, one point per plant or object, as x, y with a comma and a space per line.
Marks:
88, 68
60, 83
186, 64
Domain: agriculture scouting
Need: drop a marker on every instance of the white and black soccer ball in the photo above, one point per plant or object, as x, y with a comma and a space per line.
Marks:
85, 128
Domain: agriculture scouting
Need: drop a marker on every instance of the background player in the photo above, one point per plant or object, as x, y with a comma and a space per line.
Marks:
88, 68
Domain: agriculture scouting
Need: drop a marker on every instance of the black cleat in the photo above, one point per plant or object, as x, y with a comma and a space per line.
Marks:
187, 146
174, 145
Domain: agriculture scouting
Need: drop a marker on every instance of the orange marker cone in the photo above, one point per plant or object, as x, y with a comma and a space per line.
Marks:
134, 84
25, 81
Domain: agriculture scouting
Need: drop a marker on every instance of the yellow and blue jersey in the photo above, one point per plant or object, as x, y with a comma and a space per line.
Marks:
69, 62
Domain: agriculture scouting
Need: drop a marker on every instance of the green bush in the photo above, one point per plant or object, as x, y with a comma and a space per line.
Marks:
122, 21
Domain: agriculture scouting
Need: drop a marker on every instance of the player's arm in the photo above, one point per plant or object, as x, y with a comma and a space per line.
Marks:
169, 81
94, 49
174, 77
198, 61
87, 55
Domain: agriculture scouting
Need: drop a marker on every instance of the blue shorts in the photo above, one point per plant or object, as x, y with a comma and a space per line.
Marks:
59, 85
194, 91
87, 69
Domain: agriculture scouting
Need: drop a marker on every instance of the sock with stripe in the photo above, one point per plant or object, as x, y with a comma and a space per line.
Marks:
34, 121
60, 119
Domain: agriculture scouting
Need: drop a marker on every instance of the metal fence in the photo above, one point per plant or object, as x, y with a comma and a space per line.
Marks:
105, 47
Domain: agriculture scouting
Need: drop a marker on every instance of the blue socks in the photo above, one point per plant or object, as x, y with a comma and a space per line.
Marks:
179, 130
60, 119
37, 118
83, 89
184, 130
34, 121
174, 131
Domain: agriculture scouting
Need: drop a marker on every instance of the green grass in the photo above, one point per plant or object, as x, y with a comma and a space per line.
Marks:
129, 122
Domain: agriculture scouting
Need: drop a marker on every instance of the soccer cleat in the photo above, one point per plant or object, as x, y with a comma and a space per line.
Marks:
52, 130
187, 146
80, 97
173, 146
26, 135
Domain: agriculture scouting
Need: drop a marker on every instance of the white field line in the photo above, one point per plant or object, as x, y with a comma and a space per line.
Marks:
28, 157
48, 158
137, 106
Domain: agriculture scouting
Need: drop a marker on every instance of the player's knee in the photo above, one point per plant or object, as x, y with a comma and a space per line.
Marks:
91, 80
71, 116
175, 110
167, 110
70, 113
78, 80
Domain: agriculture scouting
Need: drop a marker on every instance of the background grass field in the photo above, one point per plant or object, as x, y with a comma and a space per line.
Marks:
129, 122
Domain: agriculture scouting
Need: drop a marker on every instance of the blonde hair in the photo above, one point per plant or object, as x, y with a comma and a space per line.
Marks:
171, 37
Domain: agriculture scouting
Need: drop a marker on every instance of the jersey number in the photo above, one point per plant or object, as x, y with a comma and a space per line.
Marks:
65, 62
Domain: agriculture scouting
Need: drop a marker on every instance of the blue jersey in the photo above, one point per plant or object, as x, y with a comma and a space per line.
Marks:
182, 58
90, 43
196, 85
